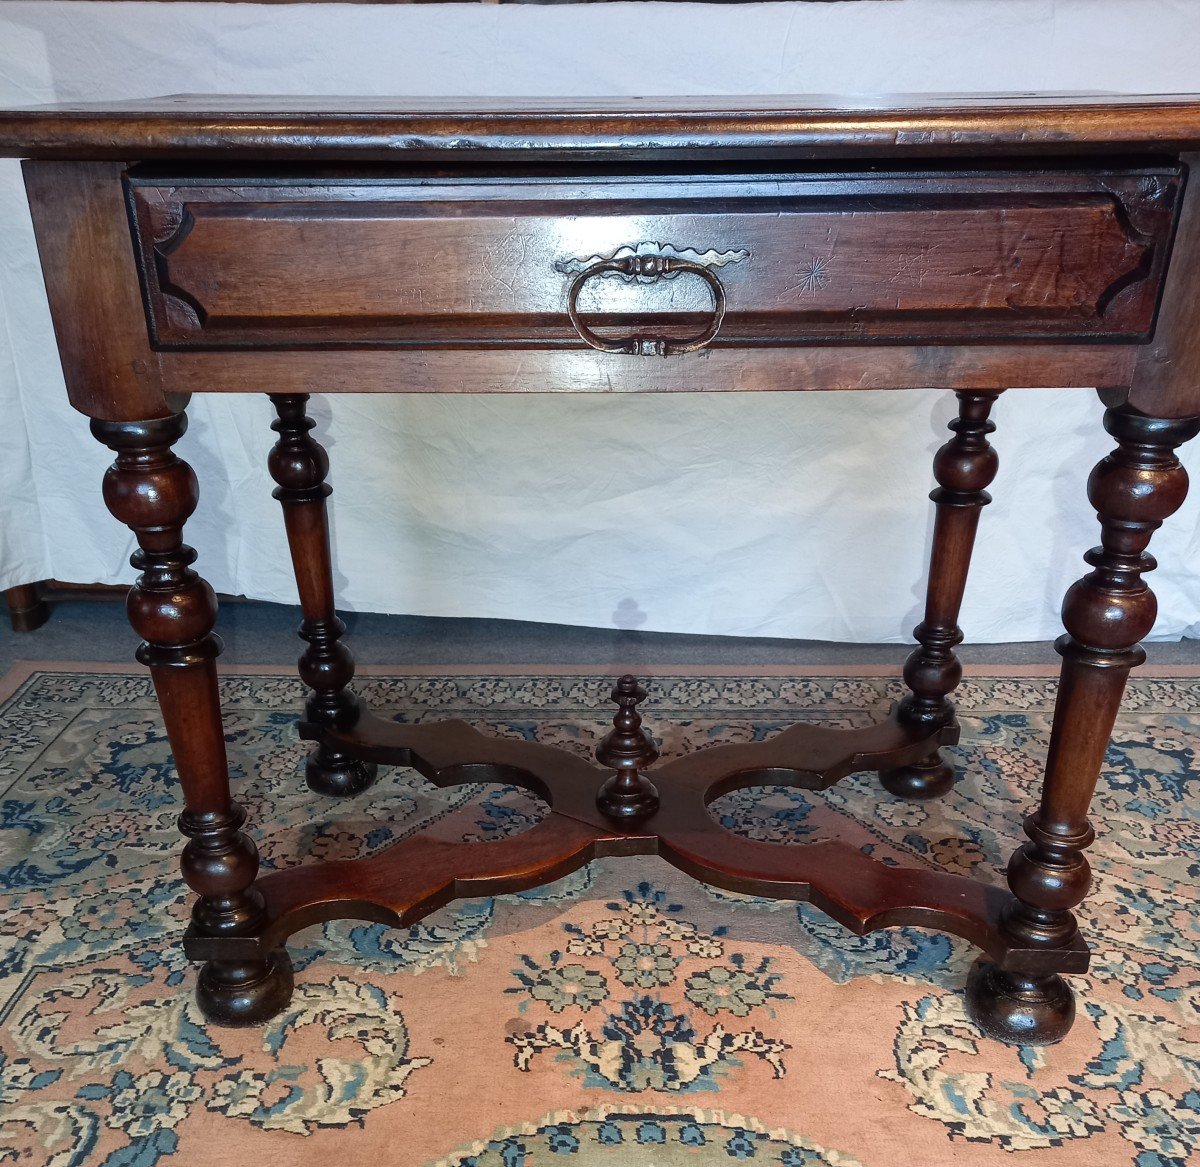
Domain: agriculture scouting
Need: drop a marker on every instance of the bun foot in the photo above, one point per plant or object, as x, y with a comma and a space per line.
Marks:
239, 994
27, 611
1019, 1009
338, 775
931, 777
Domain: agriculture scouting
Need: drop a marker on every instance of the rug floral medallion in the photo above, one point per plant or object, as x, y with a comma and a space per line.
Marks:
625, 1015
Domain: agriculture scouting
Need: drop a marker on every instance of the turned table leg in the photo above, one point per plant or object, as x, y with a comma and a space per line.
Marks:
1105, 614
963, 467
153, 492
299, 464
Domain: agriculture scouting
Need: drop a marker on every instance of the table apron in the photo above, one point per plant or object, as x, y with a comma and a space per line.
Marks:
715, 370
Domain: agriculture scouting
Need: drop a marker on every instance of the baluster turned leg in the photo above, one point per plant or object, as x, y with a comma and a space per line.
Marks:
153, 492
963, 467
1105, 614
299, 464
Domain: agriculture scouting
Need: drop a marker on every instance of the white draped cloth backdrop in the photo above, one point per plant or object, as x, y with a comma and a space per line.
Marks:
788, 515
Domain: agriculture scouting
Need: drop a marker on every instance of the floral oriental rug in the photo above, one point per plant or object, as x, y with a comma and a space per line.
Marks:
625, 1016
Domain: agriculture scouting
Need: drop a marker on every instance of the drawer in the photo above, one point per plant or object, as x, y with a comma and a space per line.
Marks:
652, 262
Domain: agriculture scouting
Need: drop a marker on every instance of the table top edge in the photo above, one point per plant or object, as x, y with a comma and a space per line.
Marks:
363, 129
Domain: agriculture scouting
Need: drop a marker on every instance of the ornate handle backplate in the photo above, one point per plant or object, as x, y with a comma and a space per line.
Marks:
647, 264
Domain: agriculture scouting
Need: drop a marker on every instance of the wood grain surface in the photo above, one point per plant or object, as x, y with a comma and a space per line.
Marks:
485, 260
797, 127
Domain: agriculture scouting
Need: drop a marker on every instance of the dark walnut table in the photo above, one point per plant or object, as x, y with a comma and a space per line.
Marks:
290, 246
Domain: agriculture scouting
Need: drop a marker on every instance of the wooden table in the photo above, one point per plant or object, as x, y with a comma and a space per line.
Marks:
286, 246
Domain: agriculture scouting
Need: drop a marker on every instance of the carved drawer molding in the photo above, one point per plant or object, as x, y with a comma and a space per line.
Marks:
924, 257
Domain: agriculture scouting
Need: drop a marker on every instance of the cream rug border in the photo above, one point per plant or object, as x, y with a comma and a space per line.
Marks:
22, 670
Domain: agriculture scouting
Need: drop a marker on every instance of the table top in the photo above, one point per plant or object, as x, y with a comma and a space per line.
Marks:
369, 129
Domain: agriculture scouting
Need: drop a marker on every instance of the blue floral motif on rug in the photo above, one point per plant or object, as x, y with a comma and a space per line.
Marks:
623, 1015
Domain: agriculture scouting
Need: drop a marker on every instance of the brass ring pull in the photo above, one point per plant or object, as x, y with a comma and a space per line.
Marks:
653, 267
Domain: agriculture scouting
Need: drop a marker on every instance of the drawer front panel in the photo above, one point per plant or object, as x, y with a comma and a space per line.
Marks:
787, 259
